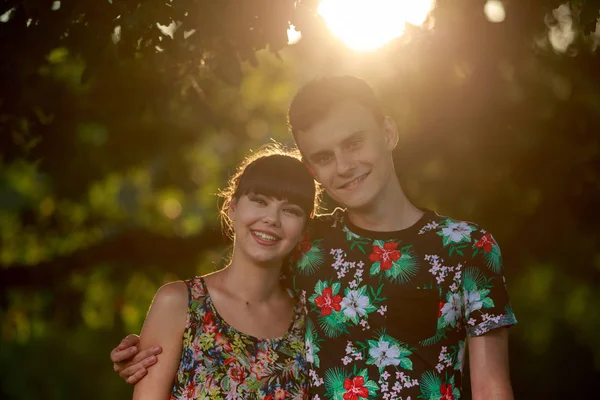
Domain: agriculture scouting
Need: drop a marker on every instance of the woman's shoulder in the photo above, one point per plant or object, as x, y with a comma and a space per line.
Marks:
172, 294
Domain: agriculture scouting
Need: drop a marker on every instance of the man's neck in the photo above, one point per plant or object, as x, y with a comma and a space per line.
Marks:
392, 211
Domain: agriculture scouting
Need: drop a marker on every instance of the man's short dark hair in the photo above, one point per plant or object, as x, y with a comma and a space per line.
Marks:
315, 99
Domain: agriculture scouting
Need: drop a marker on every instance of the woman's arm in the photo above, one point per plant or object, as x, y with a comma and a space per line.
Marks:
164, 326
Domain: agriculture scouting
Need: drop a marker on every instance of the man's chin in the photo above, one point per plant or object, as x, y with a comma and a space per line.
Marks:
356, 205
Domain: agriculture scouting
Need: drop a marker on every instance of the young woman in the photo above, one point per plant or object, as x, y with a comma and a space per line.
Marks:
237, 333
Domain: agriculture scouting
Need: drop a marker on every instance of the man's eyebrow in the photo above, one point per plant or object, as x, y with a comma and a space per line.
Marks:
356, 135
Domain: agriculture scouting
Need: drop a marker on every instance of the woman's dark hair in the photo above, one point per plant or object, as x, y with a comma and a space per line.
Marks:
274, 172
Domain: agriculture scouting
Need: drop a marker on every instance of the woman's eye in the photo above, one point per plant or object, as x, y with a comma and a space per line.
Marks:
294, 211
258, 200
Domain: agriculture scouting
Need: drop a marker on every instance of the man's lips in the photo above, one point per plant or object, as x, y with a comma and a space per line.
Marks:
354, 181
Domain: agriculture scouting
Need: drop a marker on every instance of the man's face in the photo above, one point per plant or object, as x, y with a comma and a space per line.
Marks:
350, 154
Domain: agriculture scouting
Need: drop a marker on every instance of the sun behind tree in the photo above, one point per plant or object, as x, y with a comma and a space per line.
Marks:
365, 25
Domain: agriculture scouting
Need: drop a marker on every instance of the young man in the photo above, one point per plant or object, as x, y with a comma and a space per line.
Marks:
394, 293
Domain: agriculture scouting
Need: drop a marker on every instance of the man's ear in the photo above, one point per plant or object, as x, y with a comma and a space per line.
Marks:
390, 131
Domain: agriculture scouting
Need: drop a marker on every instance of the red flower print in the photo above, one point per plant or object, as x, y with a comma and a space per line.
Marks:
236, 373
355, 388
280, 394
259, 369
486, 242
446, 391
441, 305
221, 340
327, 302
190, 391
386, 254
304, 246
208, 323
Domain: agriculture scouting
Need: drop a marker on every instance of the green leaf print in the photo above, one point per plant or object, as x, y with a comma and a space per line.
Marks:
226, 383
406, 363
372, 387
493, 259
375, 268
333, 325
439, 335
430, 386
336, 288
487, 302
356, 242
312, 343
320, 286
334, 383
473, 279
405, 268
311, 260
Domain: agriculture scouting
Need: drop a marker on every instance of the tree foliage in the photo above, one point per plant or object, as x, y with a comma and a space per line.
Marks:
119, 121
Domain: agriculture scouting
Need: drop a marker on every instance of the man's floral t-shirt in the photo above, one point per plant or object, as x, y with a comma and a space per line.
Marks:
389, 312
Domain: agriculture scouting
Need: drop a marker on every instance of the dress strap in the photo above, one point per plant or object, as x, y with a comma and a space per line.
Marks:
197, 299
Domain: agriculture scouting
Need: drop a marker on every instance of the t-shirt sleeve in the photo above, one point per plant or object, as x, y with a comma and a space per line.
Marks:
486, 305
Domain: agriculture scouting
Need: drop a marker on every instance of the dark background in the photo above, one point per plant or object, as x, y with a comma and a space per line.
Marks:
114, 143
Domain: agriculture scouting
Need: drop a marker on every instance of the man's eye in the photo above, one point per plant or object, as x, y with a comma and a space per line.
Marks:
354, 144
323, 159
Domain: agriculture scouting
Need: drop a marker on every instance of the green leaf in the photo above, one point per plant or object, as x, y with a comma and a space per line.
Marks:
372, 387
310, 261
335, 288
334, 382
378, 243
493, 259
430, 384
320, 286
406, 363
488, 302
375, 268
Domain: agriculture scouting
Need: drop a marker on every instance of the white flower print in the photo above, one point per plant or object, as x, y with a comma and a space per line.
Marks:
457, 232
460, 356
452, 309
384, 354
355, 304
472, 302
310, 351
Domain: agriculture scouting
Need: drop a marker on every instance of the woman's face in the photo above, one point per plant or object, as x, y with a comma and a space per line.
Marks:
266, 229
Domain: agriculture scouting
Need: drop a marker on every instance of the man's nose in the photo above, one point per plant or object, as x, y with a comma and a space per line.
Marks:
344, 163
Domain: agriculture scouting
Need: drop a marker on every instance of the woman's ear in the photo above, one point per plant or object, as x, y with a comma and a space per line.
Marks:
231, 209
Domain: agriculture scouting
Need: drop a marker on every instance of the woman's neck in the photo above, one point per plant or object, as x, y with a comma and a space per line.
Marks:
251, 283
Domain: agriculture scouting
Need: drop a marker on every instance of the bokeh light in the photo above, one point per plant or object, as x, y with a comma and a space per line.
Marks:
494, 11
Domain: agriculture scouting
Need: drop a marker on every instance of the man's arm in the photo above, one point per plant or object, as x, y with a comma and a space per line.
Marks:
165, 324
488, 361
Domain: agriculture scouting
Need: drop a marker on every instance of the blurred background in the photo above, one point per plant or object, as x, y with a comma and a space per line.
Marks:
121, 119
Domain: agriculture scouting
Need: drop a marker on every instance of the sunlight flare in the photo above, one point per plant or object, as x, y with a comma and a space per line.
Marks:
368, 24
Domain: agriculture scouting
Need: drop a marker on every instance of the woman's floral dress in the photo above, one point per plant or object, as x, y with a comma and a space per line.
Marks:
219, 362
